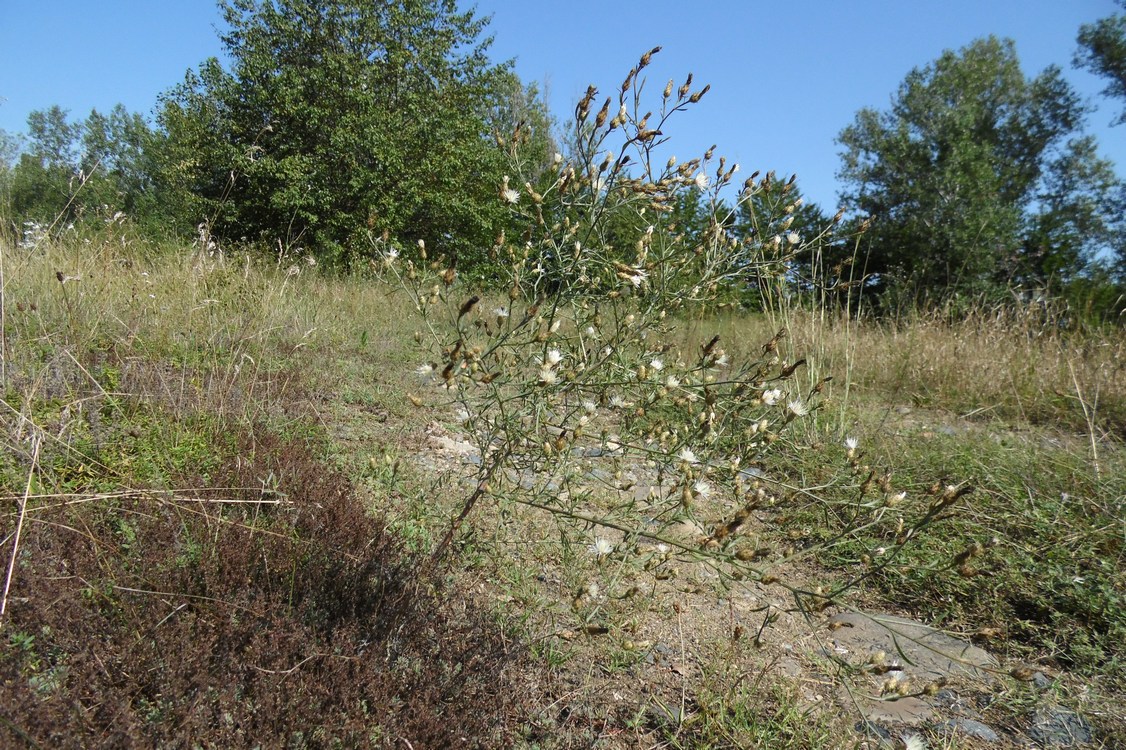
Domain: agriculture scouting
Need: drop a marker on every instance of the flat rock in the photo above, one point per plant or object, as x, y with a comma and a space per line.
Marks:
1058, 727
790, 668
922, 655
970, 728
910, 711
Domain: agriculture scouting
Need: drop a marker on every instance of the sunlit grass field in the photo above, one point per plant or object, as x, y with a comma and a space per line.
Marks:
182, 473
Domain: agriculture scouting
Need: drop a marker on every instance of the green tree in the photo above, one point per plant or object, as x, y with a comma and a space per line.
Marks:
11, 144
119, 146
43, 180
340, 118
1102, 50
967, 172
72, 168
518, 118
800, 234
1080, 205
54, 138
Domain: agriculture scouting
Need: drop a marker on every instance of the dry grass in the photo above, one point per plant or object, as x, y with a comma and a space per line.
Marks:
265, 605
1011, 365
159, 365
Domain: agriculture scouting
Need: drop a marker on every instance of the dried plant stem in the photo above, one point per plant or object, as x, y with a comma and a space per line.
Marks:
19, 529
470, 502
84, 177
80, 498
3, 325
174, 595
1089, 417
295, 667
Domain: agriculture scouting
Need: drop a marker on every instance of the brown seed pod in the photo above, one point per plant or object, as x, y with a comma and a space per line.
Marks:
468, 306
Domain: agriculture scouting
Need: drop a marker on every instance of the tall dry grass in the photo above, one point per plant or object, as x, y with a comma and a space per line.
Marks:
1009, 364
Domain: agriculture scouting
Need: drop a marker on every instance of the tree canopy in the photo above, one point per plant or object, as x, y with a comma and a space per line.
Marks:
1102, 50
978, 176
340, 118
69, 169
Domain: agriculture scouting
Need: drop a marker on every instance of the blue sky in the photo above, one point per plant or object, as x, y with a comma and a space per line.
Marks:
786, 76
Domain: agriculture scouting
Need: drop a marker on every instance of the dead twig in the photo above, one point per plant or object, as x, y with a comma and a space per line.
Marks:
19, 527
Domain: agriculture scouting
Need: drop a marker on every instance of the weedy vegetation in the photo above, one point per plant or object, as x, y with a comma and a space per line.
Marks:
249, 501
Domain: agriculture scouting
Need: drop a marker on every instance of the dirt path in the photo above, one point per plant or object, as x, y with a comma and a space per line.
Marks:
653, 660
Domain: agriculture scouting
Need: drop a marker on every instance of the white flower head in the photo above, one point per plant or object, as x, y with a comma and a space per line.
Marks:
589, 406
554, 357
425, 371
771, 397
510, 195
701, 181
601, 547
657, 364
548, 377
687, 456
672, 382
702, 488
793, 238
501, 312
914, 742
797, 408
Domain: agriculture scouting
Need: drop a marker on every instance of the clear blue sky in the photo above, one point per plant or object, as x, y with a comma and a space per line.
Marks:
786, 76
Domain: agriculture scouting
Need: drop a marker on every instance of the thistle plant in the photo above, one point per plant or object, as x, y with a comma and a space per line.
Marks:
571, 382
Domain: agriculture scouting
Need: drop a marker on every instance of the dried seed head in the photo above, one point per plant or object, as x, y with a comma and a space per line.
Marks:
467, 306
603, 113
646, 57
700, 94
